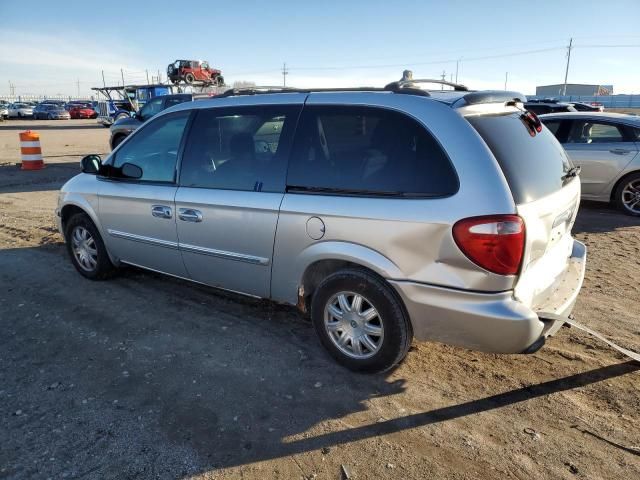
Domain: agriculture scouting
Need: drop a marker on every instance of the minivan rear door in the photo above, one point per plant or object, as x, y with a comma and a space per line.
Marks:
545, 190
231, 186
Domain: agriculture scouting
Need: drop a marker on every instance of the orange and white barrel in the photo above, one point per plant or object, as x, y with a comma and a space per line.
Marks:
31, 151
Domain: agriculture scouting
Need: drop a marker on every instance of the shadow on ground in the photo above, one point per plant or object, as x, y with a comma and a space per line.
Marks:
148, 375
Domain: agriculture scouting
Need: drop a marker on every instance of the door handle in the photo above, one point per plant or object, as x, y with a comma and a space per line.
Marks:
190, 215
619, 151
161, 211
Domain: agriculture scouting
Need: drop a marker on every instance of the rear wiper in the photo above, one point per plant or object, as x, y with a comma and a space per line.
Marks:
572, 172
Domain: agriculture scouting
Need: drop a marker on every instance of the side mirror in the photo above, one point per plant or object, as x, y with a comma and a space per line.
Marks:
129, 170
91, 164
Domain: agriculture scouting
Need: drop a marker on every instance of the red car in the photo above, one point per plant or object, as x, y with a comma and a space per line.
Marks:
82, 111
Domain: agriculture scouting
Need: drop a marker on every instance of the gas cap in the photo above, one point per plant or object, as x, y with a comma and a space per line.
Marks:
315, 228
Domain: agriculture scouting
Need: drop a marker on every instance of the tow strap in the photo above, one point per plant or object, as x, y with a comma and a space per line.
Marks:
552, 316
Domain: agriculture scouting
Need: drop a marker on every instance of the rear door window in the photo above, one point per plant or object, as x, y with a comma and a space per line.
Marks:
239, 148
534, 166
586, 131
367, 151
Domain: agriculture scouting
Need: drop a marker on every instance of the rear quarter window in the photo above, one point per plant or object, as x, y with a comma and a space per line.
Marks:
370, 151
534, 166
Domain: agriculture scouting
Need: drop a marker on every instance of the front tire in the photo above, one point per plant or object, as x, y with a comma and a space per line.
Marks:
360, 321
627, 195
86, 248
189, 78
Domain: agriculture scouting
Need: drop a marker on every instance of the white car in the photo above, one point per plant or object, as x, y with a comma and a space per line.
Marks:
19, 110
4, 111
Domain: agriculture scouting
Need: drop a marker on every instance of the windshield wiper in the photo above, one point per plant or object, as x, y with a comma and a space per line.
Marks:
572, 172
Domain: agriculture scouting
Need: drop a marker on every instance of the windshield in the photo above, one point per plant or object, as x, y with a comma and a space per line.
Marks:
534, 163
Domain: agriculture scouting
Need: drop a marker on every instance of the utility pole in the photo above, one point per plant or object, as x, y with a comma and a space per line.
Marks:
147, 72
285, 72
159, 78
104, 84
444, 75
78, 83
457, 65
122, 75
506, 79
566, 72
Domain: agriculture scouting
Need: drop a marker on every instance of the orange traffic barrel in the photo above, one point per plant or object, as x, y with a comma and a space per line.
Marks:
31, 151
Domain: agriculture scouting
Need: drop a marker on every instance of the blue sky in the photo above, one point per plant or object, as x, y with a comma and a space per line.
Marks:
47, 47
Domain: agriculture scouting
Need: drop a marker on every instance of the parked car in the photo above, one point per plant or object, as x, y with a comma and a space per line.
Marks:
586, 107
605, 146
4, 111
193, 71
20, 110
400, 213
541, 107
123, 127
78, 110
50, 111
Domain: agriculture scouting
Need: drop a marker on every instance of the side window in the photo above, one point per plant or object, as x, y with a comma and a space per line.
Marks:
592, 132
242, 148
151, 108
369, 151
553, 126
154, 148
170, 102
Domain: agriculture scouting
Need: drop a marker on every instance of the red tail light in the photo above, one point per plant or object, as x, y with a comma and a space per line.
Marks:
494, 242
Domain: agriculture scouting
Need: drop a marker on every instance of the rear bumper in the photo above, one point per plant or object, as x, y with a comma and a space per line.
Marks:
490, 322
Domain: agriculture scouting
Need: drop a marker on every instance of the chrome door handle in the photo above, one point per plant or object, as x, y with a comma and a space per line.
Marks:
619, 151
190, 215
161, 211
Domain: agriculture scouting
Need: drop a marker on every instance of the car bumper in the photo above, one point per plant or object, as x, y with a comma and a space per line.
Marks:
491, 322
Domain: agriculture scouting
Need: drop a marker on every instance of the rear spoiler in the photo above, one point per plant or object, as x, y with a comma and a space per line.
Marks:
490, 96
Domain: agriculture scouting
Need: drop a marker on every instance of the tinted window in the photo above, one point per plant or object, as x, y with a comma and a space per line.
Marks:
364, 150
151, 108
553, 126
538, 109
154, 148
584, 131
533, 165
170, 102
244, 148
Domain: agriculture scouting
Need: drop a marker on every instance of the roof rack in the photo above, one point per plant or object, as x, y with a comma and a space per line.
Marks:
411, 84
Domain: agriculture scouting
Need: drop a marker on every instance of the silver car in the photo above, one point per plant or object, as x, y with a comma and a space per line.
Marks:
386, 215
605, 146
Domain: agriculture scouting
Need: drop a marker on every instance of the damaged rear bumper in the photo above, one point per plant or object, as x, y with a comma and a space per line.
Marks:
492, 322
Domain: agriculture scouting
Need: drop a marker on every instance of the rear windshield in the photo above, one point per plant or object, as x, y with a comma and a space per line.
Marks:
534, 166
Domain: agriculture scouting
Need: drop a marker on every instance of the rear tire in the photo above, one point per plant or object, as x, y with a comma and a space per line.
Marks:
86, 248
372, 334
627, 195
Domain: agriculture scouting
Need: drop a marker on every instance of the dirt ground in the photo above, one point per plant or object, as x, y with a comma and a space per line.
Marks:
145, 376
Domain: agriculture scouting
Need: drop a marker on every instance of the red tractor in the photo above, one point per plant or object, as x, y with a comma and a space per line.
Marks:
194, 71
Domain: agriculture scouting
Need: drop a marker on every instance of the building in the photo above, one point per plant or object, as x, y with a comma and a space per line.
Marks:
574, 89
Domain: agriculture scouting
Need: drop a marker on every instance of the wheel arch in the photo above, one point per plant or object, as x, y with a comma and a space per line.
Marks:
79, 205
620, 180
323, 259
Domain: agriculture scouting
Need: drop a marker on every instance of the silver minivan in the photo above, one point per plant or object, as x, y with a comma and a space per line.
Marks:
385, 214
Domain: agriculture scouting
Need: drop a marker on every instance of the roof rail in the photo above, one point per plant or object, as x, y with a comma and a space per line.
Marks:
395, 86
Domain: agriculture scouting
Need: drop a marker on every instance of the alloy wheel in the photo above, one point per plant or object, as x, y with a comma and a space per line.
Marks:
84, 248
631, 196
354, 325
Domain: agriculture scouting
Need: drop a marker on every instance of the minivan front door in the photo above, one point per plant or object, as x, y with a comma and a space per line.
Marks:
138, 215
231, 185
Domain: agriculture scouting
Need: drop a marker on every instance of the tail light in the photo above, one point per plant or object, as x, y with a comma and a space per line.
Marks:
494, 242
